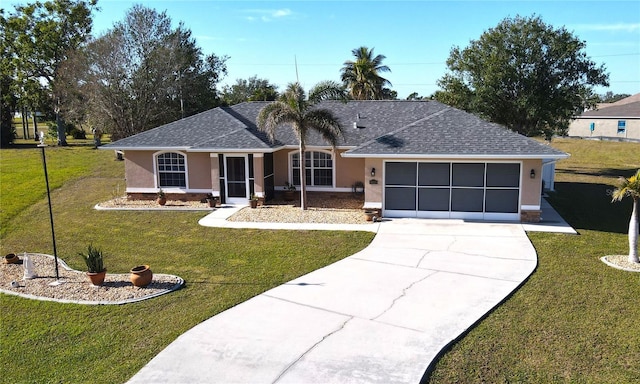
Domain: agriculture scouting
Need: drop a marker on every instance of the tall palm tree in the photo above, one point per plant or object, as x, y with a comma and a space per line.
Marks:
296, 110
630, 187
362, 76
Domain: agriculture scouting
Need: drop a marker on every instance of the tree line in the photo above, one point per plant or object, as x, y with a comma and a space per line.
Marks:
144, 72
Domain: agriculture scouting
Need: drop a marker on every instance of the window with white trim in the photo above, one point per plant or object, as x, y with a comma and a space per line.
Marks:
318, 168
172, 171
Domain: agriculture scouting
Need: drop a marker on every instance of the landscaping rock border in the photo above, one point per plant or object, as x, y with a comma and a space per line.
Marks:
620, 262
76, 288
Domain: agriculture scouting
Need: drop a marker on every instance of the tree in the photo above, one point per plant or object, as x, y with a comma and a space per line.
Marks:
294, 109
610, 97
523, 74
251, 89
630, 187
141, 74
362, 76
40, 37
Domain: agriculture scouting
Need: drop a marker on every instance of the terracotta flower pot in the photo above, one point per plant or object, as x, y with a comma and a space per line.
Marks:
253, 203
97, 278
289, 195
162, 200
141, 275
11, 258
369, 215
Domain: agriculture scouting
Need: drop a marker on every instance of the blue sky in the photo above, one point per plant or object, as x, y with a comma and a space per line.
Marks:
264, 38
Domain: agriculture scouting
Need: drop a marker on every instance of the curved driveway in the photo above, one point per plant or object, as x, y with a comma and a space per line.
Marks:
379, 316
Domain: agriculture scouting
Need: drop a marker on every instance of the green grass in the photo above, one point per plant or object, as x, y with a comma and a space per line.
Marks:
22, 181
51, 342
575, 320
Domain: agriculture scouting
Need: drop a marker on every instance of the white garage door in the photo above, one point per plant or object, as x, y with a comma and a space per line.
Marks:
481, 191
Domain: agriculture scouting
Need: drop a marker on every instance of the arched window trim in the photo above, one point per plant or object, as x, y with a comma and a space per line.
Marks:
156, 171
311, 151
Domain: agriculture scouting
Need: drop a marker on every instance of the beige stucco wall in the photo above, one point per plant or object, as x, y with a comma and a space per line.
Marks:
605, 128
138, 169
199, 166
348, 171
281, 168
531, 188
373, 192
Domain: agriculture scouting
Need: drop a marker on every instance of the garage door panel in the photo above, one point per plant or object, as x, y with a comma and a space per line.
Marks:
502, 200
400, 198
434, 174
467, 200
503, 175
433, 199
465, 190
400, 173
467, 174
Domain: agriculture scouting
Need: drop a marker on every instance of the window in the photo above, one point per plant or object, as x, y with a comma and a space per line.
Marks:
622, 126
318, 167
171, 170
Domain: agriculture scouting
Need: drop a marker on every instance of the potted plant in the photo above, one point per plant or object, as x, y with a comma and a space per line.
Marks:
11, 258
161, 197
370, 215
213, 201
253, 201
141, 275
289, 191
95, 267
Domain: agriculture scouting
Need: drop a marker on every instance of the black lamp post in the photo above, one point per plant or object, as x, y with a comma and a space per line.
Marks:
53, 234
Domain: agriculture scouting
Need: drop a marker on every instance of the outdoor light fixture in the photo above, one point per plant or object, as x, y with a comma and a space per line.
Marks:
373, 172
533, 174
42, 145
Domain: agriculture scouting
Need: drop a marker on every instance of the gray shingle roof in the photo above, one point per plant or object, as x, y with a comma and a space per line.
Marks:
615, 111
390, 127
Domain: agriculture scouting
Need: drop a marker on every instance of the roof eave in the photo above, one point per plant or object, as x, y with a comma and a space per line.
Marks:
142, 148
455, 156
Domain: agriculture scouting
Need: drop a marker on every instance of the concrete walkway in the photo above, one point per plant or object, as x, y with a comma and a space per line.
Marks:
379, 316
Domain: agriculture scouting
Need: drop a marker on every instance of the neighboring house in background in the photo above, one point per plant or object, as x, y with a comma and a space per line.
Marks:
415, 159
616, 121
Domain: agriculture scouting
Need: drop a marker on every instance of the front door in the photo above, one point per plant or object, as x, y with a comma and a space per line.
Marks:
237, 187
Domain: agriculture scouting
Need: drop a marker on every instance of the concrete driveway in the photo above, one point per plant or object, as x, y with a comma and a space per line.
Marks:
379, 316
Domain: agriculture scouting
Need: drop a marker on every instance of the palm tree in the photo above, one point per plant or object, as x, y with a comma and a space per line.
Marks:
630, 187
362, 76
296, 110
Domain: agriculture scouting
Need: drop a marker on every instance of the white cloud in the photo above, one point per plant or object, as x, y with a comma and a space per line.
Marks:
267, 15
613, 27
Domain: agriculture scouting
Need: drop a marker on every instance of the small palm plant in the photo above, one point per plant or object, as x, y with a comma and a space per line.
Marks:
94, 259
297, 111
630, 187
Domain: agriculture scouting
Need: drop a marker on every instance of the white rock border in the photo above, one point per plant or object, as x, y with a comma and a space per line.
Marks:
616, 266
178, 285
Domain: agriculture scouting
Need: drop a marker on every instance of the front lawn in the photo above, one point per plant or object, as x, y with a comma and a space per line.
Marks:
52, 342
575, 319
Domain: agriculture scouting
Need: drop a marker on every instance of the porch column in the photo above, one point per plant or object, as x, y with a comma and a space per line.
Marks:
215, 174
258, 174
